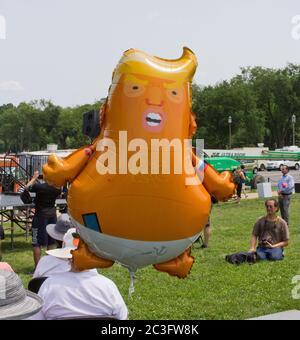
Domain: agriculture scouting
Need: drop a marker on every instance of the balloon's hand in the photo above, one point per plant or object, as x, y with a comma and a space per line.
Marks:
55, 171
58, 171
225, 188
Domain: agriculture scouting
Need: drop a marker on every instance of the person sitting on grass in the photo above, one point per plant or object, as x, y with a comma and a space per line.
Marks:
16, 303
61, 232
80, 295
271, 232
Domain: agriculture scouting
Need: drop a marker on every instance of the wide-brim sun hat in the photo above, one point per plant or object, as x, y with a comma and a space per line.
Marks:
62, 253
16, 303
51, 232
69, 243
58, 230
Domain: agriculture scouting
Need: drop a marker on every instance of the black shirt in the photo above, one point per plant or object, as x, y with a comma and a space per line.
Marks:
45, 198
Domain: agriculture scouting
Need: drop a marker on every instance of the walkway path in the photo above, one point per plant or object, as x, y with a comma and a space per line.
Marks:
253, 195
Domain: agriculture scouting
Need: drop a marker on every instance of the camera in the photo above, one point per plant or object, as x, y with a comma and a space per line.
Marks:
265, 242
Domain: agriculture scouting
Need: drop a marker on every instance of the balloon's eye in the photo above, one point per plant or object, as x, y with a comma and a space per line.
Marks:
175, 95
134, 90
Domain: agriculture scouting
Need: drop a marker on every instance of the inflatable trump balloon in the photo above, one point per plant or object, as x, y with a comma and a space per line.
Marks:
133, 195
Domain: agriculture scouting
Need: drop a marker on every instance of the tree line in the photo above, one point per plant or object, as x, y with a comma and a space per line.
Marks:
31, 126
261, 102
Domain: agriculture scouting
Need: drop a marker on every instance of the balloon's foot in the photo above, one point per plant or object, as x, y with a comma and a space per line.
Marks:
84, 259
180, 266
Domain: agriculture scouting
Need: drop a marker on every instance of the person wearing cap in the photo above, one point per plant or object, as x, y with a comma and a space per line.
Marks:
75, 294
16, 303
51, 265
45, 213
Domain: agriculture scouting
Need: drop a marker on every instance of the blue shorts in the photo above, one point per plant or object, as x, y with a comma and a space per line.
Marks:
40, 236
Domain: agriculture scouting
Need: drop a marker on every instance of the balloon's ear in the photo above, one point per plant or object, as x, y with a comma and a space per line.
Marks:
193, 125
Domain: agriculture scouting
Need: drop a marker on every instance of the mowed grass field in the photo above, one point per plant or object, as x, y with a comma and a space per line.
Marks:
214, 289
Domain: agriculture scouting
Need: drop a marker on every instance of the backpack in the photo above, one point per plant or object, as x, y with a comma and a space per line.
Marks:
236, 177
238, 258
25, 197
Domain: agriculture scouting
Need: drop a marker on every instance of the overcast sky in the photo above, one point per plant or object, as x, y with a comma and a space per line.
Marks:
65, 50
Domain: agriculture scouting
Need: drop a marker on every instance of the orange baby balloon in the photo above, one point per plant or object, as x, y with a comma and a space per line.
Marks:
129, 195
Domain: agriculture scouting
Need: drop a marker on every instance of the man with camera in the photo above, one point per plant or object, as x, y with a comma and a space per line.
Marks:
271, 232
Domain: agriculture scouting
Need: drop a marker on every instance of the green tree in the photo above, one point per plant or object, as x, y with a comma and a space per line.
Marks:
277, 93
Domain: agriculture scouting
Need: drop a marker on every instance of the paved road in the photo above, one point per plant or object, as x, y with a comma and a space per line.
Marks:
275, 175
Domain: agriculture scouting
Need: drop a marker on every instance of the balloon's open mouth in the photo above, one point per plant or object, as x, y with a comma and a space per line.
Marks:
153, 119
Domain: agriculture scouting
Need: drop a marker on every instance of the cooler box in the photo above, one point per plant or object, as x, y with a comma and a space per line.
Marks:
264, 189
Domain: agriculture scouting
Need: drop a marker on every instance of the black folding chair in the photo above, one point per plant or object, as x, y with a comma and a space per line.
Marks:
35, 284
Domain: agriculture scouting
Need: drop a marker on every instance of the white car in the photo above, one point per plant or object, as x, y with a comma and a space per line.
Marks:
276, 165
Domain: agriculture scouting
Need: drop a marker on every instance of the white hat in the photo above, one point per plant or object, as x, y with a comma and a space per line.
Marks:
69, 243
16, 303
58, 230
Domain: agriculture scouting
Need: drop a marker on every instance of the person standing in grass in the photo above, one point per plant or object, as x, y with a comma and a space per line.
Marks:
238, 178
45, 213
207, 228
286, 186
244, 180
271, 232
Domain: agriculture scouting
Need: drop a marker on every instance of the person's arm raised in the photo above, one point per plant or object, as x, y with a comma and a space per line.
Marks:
33, 180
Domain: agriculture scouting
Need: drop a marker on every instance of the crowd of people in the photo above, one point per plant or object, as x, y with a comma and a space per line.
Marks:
59, 291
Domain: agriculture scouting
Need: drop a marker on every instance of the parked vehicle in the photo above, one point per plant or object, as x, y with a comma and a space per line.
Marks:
276, 165
262, 164
16, 170
250, 165
8, 171
225, 163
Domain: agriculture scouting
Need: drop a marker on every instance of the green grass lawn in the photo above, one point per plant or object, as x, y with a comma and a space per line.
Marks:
214, 289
